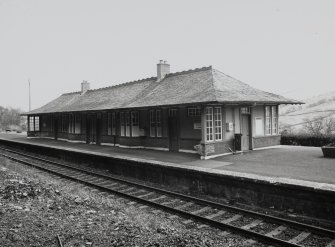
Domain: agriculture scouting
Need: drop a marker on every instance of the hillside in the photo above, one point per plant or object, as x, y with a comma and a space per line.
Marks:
320, 106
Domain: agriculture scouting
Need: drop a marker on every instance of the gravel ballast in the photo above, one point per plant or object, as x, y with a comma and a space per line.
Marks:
35, 207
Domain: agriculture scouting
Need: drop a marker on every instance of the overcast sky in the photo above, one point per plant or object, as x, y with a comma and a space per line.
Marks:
285, 47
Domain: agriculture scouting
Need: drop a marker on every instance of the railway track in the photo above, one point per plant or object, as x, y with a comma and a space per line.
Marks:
256, 226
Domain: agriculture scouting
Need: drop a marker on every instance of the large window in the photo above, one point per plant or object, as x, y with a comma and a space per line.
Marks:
31, 123
268, 120
158, 123
71, 124
218, 123
274, 120
37, 123
129, 124
122, 124
34, 123
152, 123
213, 117
209, 123
271, 120
155, 123
127, 117
77, 122
135, 125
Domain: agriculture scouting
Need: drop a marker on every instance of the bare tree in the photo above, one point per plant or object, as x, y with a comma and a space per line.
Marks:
320, 125
314, 125
329, 125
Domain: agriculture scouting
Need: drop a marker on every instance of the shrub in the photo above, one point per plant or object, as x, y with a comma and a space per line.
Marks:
307, 140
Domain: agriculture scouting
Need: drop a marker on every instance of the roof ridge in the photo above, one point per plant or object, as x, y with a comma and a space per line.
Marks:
71, 93
124, 84
113, 86
189, 71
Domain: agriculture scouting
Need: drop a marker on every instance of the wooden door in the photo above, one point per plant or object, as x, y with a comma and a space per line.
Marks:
173, 125
245, 142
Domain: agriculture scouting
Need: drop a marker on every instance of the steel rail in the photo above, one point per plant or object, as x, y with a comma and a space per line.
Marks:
211, 222
269, 218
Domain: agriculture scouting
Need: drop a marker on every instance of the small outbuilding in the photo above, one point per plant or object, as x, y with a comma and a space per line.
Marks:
201, 110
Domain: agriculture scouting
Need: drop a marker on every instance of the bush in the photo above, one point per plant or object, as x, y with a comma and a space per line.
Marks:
307, 140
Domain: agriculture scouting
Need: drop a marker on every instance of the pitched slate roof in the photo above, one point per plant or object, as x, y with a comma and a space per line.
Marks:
187, 87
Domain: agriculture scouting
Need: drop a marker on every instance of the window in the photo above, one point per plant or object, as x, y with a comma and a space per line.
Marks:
127, 117
129, 124
218, 123
213, 123
193, 112
31, 123
209, 123
267, 120
37, 123
156, 123
71, 123
113, 123
271, 120
122, 125
172, 112
274, 120
77, 122
245, 110
135, 127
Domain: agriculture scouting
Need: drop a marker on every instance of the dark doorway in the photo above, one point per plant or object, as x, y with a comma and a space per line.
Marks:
245, 132
91, 129
173, 125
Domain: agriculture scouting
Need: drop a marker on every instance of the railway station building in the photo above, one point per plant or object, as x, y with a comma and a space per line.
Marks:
201, 110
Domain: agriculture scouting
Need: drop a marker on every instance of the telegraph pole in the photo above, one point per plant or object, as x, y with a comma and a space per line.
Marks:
29, 96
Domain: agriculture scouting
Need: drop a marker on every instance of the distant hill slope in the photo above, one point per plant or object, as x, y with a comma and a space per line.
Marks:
320, 106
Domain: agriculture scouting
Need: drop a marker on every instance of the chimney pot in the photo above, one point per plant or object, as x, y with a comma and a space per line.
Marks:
162, 69
85, 86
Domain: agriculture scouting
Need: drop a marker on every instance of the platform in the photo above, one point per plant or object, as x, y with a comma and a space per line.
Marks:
296, 165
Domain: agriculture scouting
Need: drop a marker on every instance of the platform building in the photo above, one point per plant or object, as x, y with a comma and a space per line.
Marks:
201, 110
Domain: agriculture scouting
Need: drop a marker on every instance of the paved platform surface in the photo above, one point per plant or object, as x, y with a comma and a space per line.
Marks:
304, 166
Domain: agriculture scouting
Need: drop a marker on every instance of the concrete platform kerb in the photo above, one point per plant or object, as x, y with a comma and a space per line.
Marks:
287, 182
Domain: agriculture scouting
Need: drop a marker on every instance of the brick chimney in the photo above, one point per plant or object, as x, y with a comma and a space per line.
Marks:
162, 69
85, 86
